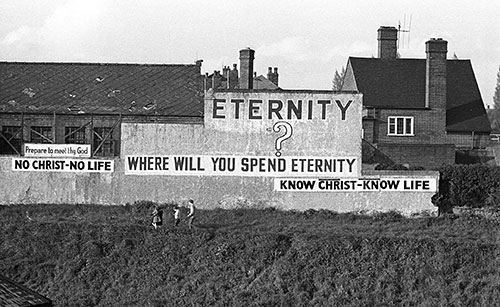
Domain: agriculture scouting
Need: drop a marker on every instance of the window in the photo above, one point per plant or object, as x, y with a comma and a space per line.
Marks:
41, 134
108, 144
369, 112
74, 135
12, 135
400, 125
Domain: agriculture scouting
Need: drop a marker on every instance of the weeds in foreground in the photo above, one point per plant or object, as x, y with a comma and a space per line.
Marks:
88, 255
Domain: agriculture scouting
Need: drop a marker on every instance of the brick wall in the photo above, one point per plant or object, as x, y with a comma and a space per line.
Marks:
429, 156
467, 140
428, 128
369, 130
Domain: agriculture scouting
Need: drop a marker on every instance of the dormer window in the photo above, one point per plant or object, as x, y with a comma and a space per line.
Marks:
400, 126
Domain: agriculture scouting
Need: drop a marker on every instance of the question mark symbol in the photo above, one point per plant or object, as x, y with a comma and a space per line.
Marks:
288, 133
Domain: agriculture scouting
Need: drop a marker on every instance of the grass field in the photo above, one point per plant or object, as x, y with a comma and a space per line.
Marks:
86, 255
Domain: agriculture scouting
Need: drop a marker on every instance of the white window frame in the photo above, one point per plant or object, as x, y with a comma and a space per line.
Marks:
395, 122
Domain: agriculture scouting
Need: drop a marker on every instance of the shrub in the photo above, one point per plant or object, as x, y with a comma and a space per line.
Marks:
469, 185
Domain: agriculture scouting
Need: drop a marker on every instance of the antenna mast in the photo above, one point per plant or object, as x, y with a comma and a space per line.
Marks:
402, 31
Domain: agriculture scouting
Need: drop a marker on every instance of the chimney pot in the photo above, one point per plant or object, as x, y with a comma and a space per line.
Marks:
273, 76
436, 46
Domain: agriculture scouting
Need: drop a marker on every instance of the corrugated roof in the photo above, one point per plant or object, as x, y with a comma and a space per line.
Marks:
129, 89
13, 294
400, 83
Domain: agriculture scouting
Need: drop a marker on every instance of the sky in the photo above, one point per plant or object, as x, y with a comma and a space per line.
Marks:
307, 40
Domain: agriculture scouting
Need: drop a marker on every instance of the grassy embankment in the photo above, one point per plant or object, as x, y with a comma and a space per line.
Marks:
111, 256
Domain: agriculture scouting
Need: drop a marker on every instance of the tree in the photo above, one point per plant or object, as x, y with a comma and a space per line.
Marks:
338, 79
496, 96
495, 113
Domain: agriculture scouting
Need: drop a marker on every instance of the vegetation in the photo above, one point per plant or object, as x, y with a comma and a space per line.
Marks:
474, 186
494, 115
89, 255
338, 79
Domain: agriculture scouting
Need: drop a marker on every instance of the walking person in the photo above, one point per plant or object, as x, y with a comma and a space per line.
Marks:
190, 216
157, 217
177, 216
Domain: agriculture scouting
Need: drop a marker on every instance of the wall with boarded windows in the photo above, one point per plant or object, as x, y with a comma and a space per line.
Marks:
17, 129
292, 150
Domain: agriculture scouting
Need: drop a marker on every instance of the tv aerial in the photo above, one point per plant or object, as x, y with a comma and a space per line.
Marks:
404, 33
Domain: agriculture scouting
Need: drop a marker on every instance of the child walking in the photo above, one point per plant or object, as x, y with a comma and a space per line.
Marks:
177, 217
157, 217
190, 216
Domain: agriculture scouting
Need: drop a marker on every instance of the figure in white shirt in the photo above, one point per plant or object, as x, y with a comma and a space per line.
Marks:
190, 216
177, 216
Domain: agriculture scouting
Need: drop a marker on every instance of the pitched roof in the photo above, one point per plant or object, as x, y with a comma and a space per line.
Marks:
400, 83
129, 89
16, 295
261, 82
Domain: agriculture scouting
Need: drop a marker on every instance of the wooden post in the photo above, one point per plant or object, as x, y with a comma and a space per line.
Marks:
92, 134
22, 133
54, 129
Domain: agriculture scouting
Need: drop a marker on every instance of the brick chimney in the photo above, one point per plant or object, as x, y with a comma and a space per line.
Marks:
246, 68
273, 76
435, 85
435, 73
225, 75
387, 42
233, 77
216, 79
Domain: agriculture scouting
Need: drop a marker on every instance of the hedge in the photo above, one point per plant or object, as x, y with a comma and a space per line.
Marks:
475, 185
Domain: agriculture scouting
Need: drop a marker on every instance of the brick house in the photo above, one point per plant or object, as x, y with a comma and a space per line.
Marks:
418, 112
81, 103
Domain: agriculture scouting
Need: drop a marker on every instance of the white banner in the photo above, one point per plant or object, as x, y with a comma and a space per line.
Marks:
63, 165
57, 150
393, 184
258, 166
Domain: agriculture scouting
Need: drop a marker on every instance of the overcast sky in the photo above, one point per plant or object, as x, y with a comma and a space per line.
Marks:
306, 40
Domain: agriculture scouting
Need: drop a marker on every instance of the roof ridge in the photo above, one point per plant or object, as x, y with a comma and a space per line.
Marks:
406, 59
94, 64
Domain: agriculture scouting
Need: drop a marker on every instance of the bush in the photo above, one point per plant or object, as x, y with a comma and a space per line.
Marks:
469, 185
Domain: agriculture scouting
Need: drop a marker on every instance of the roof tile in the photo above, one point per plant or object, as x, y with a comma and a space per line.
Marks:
400, 83
101, 88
